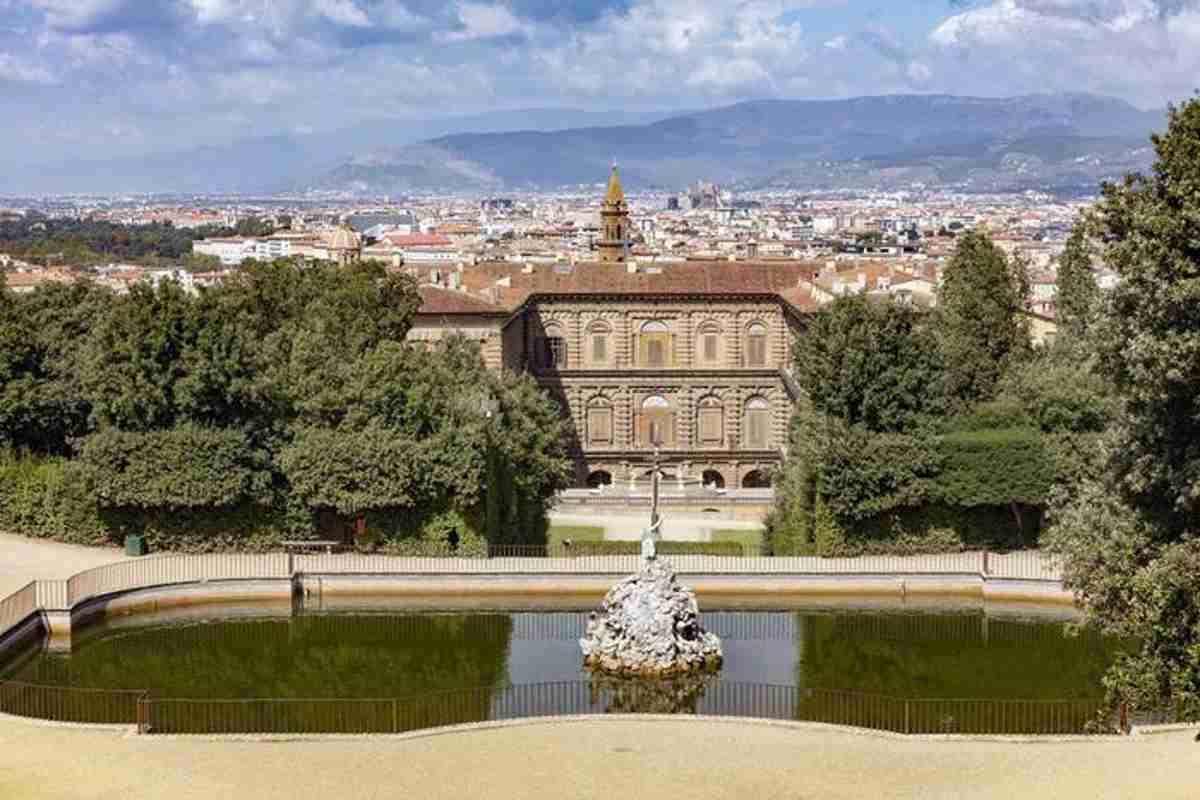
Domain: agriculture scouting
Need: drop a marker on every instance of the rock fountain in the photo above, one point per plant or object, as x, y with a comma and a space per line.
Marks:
649, 624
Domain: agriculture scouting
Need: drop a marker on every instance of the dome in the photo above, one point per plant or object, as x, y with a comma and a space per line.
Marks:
345, 238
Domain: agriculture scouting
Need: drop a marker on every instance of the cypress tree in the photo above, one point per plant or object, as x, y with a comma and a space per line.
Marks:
1078, 294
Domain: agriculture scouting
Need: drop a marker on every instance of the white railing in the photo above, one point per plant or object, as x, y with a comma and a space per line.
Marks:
1029, 565
17, 606
166, 570
52, 594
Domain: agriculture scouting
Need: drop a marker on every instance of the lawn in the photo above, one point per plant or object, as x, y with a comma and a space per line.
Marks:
750, 540
576, 533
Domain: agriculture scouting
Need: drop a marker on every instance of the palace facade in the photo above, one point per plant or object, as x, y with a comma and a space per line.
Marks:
691, 357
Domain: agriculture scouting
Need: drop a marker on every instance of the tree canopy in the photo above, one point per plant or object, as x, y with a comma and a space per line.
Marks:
982, 328
289, 385
1129, 537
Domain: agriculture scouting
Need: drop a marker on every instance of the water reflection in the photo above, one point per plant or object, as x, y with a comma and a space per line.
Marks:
405, 654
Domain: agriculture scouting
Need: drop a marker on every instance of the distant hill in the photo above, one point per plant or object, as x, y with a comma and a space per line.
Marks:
1055, 141
273, 163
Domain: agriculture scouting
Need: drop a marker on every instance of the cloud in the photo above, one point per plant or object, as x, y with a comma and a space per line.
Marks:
187, 71
15, 70
484, 21
1147, 51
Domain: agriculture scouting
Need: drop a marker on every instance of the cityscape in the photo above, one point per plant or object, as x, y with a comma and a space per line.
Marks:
520, 399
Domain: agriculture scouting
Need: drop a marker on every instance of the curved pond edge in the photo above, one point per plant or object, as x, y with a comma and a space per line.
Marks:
131, 730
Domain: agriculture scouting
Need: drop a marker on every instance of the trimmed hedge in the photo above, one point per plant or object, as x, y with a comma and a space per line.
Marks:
185, 467
993, 468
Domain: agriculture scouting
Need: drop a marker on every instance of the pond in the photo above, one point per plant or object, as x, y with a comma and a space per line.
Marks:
382, 655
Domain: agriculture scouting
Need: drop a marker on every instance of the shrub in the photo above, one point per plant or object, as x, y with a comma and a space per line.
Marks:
993, 468
185, 467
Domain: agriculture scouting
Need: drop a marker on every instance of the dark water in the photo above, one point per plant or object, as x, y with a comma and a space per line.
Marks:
388, 655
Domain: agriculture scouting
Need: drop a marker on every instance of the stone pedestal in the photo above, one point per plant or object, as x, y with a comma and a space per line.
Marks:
649, 626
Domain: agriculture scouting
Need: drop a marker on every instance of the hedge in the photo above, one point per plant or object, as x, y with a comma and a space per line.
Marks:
993, 468
179, 468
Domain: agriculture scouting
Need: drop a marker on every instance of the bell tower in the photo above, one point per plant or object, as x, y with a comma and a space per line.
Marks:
614, 222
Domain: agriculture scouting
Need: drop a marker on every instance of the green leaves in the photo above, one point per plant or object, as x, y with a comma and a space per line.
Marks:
181, 468
981, 330
870, 363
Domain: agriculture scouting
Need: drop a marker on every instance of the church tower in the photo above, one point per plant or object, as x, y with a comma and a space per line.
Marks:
614, 222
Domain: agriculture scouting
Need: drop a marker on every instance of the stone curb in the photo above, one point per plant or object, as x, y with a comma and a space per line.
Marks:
130, 731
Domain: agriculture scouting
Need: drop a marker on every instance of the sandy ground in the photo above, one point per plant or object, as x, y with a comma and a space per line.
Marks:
23, 560
602, 758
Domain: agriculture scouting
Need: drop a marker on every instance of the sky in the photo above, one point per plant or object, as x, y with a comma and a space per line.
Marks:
101, 78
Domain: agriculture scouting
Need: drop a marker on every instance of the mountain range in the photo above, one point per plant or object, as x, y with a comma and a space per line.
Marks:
279, 162
1057, 142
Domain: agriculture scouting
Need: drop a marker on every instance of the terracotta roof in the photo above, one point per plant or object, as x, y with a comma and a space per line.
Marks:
436, 300
417, 240
511, 285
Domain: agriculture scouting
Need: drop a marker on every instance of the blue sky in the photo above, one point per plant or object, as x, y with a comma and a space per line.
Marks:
93, 78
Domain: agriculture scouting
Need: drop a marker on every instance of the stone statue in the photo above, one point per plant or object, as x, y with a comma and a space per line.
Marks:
649, 624
649, 537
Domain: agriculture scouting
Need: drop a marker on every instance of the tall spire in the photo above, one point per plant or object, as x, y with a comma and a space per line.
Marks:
615, 193
614, 221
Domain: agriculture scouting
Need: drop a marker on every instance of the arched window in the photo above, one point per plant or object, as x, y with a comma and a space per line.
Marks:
656, 423
756, 479
554, 347
599, 423
598, 345
713, 478
655, 345
599, 478
708, 348
756, 345
758, 423
710, 422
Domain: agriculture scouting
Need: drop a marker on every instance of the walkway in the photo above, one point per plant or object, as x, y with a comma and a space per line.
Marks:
603, 758
23, 560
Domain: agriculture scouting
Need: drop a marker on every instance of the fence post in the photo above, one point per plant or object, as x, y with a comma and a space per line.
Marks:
983, 570
907, 717
395, 715
143, 714
1124, 721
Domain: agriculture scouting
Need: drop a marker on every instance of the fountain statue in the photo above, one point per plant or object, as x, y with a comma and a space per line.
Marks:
649, 624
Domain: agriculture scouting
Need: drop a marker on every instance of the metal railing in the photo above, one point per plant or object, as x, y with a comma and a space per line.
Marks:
506, 559
710, 697
70, 704
170, 569
17, 606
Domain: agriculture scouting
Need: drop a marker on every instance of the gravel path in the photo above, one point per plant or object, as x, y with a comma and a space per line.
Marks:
23, 560
602, 758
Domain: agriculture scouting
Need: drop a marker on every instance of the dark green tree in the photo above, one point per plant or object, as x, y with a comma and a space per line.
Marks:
982, 328
1129, 540
870, 363
1078, 294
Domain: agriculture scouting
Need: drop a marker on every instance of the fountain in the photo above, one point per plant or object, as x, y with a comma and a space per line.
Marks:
649, 624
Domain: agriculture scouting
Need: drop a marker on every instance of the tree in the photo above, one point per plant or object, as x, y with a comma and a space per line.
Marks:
870, 363
1129, 540
1078, 294
982, 328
